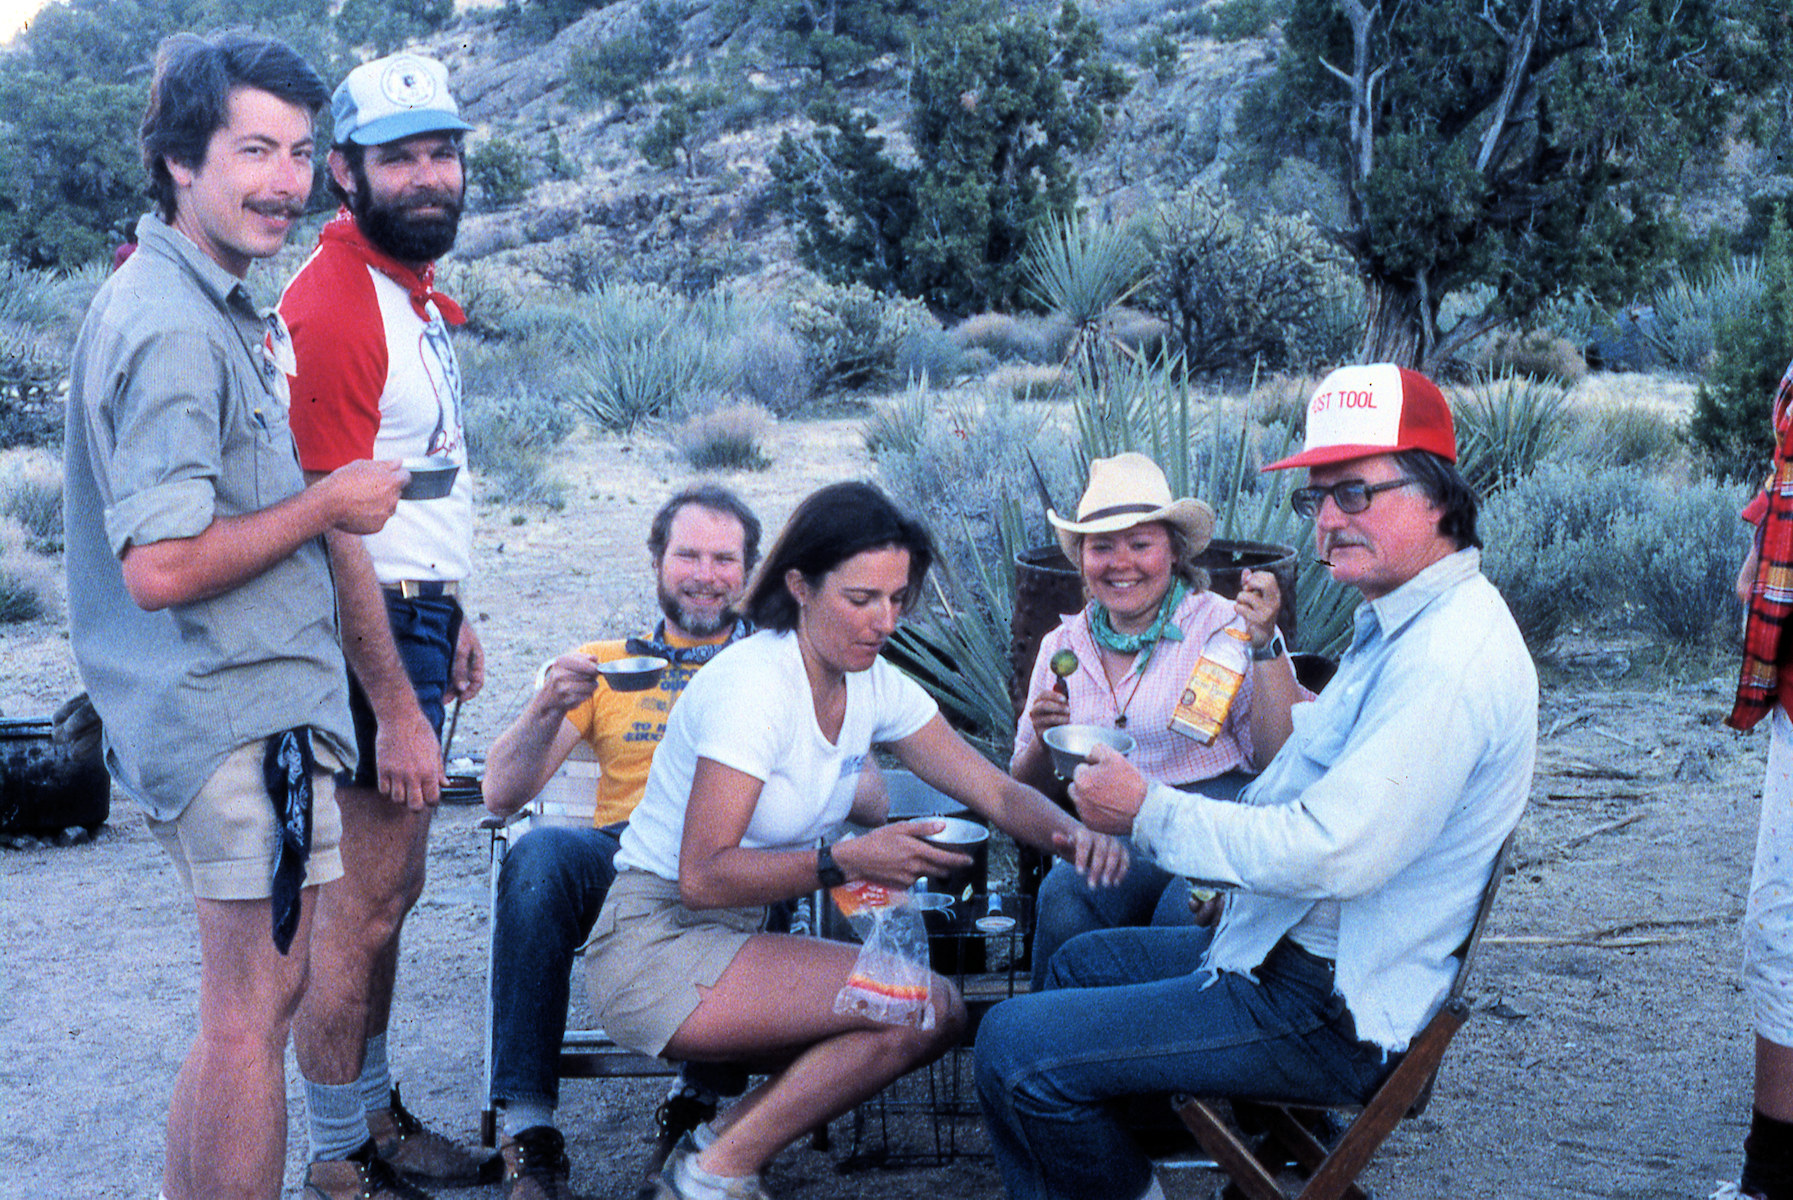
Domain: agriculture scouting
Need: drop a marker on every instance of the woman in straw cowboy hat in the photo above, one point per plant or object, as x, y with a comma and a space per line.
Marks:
1136, 642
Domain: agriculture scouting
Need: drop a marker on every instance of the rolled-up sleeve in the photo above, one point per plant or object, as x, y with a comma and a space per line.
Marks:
165, 448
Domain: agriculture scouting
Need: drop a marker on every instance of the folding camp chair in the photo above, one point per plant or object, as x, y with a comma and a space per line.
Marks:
1288, 1137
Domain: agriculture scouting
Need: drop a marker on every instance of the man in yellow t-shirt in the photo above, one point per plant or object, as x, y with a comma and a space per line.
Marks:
703, 544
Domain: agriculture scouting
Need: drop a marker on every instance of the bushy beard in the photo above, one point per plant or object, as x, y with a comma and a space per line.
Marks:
397, 232
695, 624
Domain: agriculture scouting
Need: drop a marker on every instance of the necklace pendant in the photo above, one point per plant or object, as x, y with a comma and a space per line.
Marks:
1120, 722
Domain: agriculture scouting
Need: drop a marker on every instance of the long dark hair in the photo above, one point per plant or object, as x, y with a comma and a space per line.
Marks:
828, 528
189, 98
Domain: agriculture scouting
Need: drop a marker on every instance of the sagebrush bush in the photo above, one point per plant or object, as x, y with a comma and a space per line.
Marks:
1031, 381
27, 582
1686, 313
31, 494
511, 435
1622, 435
1536, 354
1025, 337
1678, 550
767, 364
725, 439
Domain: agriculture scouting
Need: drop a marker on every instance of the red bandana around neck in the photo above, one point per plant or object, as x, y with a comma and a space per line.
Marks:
421, 284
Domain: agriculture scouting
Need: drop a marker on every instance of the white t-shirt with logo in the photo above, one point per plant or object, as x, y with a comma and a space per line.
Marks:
751, 709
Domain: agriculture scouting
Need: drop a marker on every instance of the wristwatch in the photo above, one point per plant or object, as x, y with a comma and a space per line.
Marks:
1270, 650
828, 872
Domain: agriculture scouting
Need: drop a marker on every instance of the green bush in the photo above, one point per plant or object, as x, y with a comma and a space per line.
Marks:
854, 337
1236, 20
1730, 423
1029, 338
1687, 311
725, 439
1536, 354
1240, 291
499, 169
620, 68
1622, 435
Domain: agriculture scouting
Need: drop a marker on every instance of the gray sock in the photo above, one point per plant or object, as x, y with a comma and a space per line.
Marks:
376, 1075
336, 1118
526, 1114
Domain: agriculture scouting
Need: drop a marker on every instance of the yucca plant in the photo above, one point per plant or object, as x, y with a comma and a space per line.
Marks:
1083, 272
638, 351
1687, 313
1506, 425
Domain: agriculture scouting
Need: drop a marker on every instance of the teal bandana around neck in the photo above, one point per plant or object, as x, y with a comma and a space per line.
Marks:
1142, 644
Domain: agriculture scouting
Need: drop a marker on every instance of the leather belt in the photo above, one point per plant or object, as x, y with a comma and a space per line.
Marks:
411, 589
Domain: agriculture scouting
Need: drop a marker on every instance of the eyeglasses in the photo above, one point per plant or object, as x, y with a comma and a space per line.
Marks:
1352, 496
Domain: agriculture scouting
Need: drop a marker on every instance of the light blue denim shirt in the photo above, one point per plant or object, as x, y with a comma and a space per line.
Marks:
177, 414
1392, 796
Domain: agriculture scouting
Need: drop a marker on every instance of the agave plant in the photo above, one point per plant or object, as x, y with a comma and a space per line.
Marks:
1506, 425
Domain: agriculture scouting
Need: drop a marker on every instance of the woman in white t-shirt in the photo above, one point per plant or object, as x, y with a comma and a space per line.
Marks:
762, 756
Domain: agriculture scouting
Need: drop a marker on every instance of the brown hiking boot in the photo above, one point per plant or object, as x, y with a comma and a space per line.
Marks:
419, 1153
360, 1176
536, 1166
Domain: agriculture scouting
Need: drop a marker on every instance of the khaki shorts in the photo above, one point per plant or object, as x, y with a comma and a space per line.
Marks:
649, 954
225, 842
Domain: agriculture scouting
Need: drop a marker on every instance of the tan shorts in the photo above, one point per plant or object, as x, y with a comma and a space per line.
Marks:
648, 955
225, 842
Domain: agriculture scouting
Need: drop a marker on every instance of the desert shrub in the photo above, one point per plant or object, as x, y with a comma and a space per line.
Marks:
1238, 290
488, 296
1547, 545
852, 335
1687, 311
1236, 20
1730, 423
925, 352
1026, 337
1031, 381
27, 582
499, 168
1621, 435
512, 433
767, 364
1506, 425
35, 311
619, 68
1536, 354
725, 439
31, 495
1677, 549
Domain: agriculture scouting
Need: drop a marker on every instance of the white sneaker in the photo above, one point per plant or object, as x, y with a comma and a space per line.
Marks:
683, 1179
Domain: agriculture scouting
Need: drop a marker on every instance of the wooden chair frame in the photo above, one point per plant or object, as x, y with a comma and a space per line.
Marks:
1405, 1093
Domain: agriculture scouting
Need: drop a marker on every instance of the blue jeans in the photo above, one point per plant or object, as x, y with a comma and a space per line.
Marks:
424, 630
1146, 895
1124, 1013
550, 889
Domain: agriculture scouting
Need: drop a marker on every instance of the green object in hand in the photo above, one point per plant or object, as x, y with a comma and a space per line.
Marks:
1063, 664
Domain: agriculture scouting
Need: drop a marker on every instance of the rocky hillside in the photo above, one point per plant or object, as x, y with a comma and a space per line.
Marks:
612, 215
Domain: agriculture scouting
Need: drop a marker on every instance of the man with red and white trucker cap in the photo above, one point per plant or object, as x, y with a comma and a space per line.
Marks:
1356, 860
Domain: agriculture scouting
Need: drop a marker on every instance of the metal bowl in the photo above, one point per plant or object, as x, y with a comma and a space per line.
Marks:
431, 478
632, 674
958, 833
1071, 744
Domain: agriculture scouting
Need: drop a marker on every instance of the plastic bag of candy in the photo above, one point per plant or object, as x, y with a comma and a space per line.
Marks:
891, 981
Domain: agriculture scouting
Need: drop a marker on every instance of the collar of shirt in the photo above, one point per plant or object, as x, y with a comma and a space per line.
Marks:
158, 237
1406, 602
420, 284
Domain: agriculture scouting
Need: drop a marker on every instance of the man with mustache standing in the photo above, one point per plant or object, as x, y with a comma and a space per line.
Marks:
703, 544
377, 374
1357, 858
200, 602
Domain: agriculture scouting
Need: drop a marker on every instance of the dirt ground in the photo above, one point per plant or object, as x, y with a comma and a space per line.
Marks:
1609, 1057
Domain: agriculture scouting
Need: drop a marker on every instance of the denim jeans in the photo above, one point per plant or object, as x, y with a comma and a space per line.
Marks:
1146, 895
1124, 1013
550, 889
424, 631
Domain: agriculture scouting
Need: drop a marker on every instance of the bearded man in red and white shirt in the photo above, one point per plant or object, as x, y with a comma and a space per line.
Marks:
377, 378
